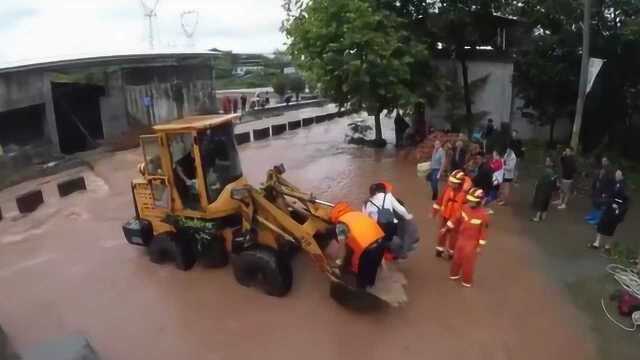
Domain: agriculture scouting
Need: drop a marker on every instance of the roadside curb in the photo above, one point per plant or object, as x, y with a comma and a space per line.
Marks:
29, 201
256, 134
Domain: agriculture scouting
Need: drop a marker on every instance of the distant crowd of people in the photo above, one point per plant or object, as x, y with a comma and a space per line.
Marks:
609, 197
495, 172
492, 171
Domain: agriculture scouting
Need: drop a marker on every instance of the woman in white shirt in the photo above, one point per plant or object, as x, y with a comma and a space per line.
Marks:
382, 207
510, 161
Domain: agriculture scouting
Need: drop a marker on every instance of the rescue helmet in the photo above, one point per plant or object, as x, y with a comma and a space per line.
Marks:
475, 195
457, 177
338, 210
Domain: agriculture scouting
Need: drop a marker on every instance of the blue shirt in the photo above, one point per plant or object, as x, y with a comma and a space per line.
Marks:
437, 160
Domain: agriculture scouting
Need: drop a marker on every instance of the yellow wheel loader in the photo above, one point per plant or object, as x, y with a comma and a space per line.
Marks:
193, 204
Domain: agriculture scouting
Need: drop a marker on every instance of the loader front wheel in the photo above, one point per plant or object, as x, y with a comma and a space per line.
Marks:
166, 247
263, 268
161, 248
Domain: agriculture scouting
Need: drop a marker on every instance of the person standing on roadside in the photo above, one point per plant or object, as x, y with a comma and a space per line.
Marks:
484, 175
510, 163
601, 190
459, 158
568, 169
487, 133
243, 103
437, 166
545, 187
497, 177
613, 214
518, 148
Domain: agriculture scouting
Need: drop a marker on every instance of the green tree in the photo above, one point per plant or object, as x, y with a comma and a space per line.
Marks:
297, 85
279, 85
546, 79
355, 51
453, 93
463, 25
546, 73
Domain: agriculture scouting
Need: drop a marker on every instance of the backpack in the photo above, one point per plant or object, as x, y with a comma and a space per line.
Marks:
385, 216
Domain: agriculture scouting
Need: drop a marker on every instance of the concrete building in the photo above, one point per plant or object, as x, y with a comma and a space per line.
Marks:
497, 99
69, 104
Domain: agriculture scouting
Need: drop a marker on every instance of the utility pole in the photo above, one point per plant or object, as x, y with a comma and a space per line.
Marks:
584, 75
150, 13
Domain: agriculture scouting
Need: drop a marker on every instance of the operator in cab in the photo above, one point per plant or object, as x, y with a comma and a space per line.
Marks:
185, 171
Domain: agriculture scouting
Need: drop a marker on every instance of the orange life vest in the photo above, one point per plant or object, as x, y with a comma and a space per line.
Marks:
363, 231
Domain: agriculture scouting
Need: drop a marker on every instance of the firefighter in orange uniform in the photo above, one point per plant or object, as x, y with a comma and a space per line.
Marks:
362, 235
448, 206
471, 229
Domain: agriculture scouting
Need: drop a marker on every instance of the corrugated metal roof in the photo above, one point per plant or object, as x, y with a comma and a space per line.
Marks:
97, 59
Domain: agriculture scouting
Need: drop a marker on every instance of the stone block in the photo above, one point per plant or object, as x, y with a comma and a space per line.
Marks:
294, 125
278, 129
30, 201
260, 134
243, 138
308, 121
70, 186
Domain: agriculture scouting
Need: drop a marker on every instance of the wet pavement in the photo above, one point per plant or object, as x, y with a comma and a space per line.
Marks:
66, 269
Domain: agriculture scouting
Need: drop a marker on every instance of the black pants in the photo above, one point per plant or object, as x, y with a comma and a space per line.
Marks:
390, 230
369, 262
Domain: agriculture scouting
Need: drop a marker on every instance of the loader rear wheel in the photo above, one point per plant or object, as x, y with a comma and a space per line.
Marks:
262, 267
214, 253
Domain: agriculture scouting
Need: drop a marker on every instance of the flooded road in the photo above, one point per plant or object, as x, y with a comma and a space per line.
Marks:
76, 275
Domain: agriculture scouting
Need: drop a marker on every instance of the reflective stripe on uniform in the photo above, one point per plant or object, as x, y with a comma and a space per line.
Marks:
450, 224
436, 206
476, 221
483, 242
464, 216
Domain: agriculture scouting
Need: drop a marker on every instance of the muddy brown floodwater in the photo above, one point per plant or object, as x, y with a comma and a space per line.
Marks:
66, 269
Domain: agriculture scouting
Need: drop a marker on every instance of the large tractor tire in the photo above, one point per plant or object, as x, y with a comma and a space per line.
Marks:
185, 255
161, 248
165, 247
263, 268
214, 254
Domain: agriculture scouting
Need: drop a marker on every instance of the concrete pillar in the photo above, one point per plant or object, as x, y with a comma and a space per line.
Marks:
50, 126
113, 108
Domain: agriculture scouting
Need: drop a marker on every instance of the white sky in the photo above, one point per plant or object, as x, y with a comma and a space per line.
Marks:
40, 29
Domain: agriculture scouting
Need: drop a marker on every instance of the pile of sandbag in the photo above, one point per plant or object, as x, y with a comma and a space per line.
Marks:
424, 150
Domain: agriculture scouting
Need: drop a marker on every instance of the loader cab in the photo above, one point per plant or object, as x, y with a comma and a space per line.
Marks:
190, 165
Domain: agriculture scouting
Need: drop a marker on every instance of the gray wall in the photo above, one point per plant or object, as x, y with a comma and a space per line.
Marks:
174, 91
498, 98
26, 88
112, 107
494, 98
20, 89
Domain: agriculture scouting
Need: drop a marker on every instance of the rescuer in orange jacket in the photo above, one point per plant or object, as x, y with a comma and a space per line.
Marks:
362, 236
448, 206
471, 229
